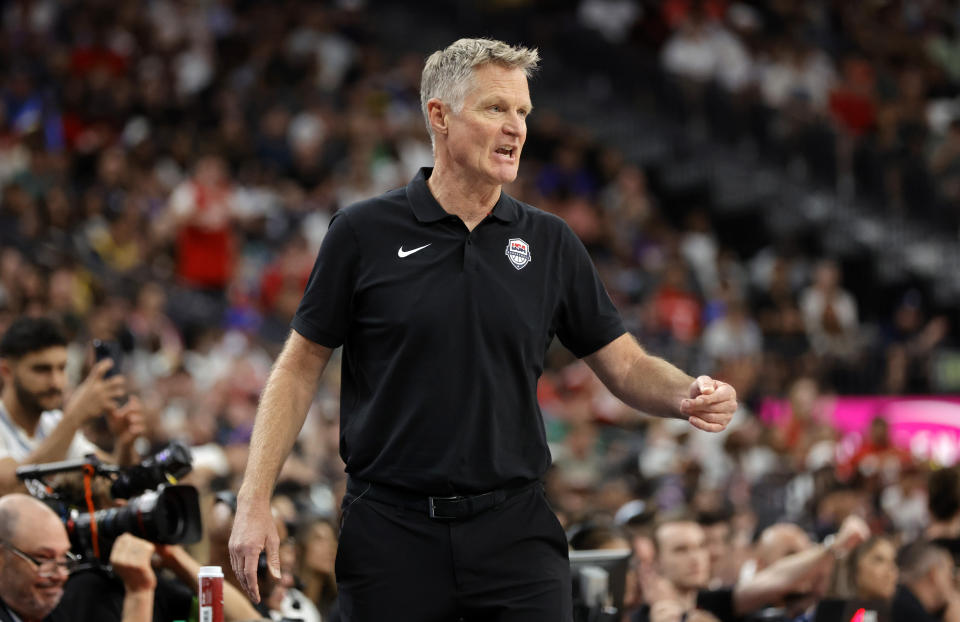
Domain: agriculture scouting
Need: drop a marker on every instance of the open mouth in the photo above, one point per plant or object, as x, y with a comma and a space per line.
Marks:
506, 152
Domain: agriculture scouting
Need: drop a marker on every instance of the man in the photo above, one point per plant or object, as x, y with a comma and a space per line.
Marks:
34, 559
33, 429
927, 591
682, 563
445, 296
35, 562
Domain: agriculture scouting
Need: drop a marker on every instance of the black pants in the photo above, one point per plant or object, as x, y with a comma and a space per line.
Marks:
507, 564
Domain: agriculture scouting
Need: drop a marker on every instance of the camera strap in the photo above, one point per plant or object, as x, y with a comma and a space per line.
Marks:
88, 474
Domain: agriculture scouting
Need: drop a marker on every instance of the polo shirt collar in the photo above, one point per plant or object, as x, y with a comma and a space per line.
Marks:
427, 209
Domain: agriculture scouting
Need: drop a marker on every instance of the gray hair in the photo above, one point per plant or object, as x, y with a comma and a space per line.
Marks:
448, 73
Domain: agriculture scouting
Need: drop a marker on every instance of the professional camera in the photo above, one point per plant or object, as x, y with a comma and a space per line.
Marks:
163, 512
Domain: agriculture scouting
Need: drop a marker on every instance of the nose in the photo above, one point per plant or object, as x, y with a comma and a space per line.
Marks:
515, 125
59, 379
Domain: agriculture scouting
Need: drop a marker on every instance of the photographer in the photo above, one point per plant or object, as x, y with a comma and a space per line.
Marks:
33, 428
35, 562
134, 520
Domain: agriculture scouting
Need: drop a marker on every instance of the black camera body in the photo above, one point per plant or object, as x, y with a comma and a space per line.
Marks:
156, 509
168, 515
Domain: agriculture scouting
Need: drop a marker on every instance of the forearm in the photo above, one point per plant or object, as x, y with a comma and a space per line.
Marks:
52, 449
138, 606
644, 382
282, 410
771, 584
55, 447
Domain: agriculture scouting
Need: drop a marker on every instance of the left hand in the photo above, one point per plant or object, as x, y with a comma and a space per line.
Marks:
711, 404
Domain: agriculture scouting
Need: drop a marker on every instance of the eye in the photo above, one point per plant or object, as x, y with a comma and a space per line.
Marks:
523, 113
496, 108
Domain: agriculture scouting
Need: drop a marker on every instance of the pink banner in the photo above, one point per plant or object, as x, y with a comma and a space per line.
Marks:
928, 426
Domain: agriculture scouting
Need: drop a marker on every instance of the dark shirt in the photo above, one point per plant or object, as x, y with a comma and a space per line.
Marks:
717, 602
444, 333
95, 596
6, 615
906, 606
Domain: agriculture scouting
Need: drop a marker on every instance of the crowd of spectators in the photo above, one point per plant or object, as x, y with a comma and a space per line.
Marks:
168, 170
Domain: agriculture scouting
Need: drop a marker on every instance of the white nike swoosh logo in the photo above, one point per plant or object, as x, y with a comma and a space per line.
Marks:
402, 253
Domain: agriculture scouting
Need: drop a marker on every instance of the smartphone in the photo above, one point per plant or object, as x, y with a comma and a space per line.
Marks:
108, 350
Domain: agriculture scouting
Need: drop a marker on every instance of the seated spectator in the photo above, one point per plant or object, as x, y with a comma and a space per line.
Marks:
830, 314
792, 583
869, 572
35, 424
317, 552
702, 50
944, 504
36, 562
927, 591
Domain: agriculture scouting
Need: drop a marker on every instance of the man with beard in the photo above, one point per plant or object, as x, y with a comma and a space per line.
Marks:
33, 428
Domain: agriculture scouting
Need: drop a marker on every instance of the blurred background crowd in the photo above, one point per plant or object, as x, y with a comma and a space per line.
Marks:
770, 190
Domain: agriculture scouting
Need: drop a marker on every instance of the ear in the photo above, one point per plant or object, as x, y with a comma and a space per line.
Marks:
437, 113
6, 371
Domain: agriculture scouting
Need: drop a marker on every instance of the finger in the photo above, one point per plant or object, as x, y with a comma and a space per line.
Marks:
273, 554
722, 409
99, 369
116, 382
721, 418
236, 563
237, 566
706, 384
706, 426
250, 560
722, 393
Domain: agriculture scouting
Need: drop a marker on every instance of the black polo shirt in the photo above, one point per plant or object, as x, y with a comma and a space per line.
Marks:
444, 333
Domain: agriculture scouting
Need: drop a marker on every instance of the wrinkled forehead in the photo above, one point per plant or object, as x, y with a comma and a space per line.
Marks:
493, 79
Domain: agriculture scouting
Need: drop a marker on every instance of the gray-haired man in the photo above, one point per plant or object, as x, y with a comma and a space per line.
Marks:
445, 296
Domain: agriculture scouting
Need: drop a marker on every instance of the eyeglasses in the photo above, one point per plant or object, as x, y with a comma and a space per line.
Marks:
48, 567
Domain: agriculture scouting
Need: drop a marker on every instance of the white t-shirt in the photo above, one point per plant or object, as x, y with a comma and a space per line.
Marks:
17, 444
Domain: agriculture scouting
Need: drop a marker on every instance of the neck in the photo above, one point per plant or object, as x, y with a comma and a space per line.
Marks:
462, 195
687, 597
926, 594
16, 411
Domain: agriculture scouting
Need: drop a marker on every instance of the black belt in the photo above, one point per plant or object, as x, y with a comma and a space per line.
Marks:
450, 507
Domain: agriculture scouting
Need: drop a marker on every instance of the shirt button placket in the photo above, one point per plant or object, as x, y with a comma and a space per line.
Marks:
469, 253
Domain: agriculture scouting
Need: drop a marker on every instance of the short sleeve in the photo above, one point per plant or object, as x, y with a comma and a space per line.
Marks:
81, 446
586, 318
324, 312
5, 449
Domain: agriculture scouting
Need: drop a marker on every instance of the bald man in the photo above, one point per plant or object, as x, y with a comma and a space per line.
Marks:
34, 559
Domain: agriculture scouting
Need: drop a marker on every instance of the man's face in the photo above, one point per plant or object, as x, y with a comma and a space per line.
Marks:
682, 555
718, 543
38, 378
21, 586
486, 136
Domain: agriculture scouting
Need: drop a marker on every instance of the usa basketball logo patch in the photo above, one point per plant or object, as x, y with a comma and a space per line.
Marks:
518, 252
